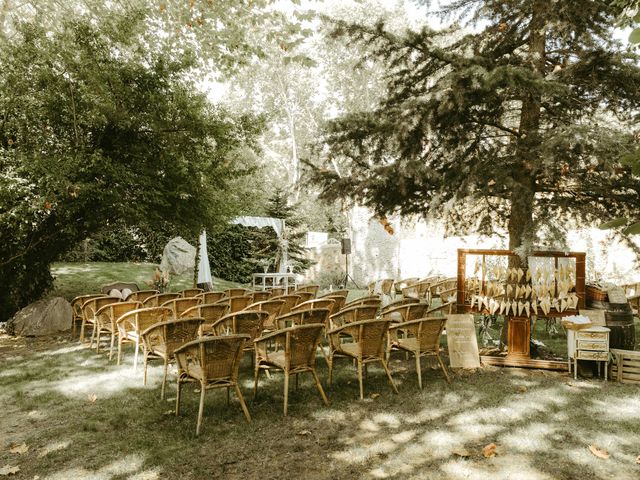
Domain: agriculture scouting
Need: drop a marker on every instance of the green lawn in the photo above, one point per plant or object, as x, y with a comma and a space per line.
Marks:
73, 279
83, 417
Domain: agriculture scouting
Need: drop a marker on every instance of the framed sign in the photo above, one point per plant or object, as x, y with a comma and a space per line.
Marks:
462, 342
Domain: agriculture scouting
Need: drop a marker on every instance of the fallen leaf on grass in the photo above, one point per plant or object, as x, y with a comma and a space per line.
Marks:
489, 450
304, 432
22, 448
461, 452
92, 398
9, 470
598, 452
374, 395
522, 389
638, 460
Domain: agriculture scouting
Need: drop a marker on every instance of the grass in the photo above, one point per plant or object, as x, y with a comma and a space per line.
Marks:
542, 423
73, 279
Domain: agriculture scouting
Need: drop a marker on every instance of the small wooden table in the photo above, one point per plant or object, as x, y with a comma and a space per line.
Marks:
588, 344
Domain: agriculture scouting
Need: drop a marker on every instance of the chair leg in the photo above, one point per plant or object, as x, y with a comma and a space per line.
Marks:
256, 373
360, 379
418, 369
82, 331
119, 350
386, 369
286, 392
319, 387
113, 341
135, 356
242, 404
444, 368
330, 365
99, 331
164, 379
145, 361
201, 408
178, 388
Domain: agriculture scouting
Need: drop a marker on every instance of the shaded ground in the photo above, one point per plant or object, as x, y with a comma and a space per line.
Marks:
83, 417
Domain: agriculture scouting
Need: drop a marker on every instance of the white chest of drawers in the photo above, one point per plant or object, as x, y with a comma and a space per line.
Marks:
588, 344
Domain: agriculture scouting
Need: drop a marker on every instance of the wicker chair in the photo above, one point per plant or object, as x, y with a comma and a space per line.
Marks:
335, 293
338, 302
237, 303
421, 337
295, 353
315, 303
132, 324
106, 321
443, 290
382, 286
367, 346
405, 282
353, 314
76, 310
273, 307
141, 295
442, 309
303, 317
247, 322
369, 300
162, 339
210, 297
277, 291
158, 299
406, 312
418, 290
307, 289
237, 292
260, 296
210, 313
212, 362
89, 310
179, 305
304, 296
290, 301
190, 292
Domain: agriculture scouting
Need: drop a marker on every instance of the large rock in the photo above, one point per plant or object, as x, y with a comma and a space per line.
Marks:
44, 317
178, 256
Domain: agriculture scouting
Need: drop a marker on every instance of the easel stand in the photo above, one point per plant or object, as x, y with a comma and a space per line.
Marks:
347, 277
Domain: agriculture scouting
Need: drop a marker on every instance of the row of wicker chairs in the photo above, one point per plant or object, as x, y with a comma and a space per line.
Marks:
282, 332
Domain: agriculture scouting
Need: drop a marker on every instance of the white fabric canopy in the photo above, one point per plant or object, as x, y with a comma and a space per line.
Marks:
204, 271
278, 225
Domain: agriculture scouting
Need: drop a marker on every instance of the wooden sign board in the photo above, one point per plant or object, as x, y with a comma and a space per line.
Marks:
596, 316
462, 342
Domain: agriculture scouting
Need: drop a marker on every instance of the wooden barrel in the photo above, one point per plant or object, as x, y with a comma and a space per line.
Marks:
619, 318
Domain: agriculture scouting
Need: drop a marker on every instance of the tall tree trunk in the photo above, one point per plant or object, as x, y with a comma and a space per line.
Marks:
520, 225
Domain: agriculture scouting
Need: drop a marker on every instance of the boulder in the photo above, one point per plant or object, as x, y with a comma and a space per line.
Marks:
178, 256
44, 317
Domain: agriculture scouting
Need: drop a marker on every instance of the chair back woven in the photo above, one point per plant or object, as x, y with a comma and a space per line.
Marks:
406, 312
237, 303
179, 305
110, 313
236, 292
277, 292
78, 302
304, 296
211, 312
210, 297
159, 298
444, 287
307, 289
301, 345
335, 293
290, 301
164, 338
428, 333
90, 307
261, 296
381, 286
315, 303
190, 292
371, 337
141, 295
137, 321
369, 300
273, 307
353, 314
247, 322
338, 302
211, 358
405, 282
303, 317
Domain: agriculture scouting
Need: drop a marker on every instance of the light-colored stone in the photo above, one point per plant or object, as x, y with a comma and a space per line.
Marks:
44, 317
178, 256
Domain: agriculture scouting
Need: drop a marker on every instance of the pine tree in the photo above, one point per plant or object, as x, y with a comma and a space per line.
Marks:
518, 128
